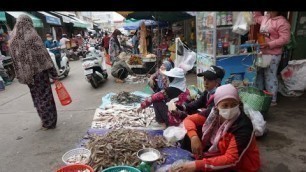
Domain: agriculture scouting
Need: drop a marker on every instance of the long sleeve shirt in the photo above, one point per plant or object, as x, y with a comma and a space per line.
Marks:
237, 147
278, 31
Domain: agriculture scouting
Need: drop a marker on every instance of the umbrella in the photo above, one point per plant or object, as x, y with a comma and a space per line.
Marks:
134, 24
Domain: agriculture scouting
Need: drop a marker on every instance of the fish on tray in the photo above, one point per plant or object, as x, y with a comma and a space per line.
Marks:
118, 116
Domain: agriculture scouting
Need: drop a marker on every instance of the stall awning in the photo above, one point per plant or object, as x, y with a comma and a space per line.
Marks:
165, 16
51, 19
70, 19
2, 16
79, 23
66, 19
36, 21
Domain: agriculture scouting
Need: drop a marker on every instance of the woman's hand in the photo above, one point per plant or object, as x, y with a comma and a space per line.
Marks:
196, 146
151, 82
264, 45
186, 167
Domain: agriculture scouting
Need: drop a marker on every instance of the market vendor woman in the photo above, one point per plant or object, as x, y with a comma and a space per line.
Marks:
159, 81
226, 140
177, 89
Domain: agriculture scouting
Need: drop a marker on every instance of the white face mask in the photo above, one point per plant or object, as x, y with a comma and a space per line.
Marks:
229, 113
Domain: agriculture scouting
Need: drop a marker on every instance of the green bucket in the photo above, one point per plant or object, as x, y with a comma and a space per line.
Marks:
121, 168
255, 98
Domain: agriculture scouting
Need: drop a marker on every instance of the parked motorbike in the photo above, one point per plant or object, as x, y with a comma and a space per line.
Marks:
94, 67
65, 68
73, 54
7, 63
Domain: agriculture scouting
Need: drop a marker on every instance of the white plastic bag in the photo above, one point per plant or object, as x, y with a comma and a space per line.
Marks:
264, 61
174, 134
171, 104
259, 124
187, 59
294, 75
242, 24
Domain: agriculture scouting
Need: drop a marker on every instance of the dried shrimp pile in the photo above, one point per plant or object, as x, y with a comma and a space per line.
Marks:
120, 147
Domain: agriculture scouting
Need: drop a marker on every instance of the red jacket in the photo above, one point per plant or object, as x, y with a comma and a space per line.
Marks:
238, 148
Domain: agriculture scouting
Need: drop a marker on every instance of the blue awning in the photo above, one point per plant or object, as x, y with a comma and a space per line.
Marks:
2, 16
51, 19
36, 21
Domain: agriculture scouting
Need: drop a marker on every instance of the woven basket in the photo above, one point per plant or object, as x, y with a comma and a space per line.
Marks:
255, 98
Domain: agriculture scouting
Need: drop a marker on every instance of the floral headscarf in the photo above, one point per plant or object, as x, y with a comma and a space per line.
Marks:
28, 51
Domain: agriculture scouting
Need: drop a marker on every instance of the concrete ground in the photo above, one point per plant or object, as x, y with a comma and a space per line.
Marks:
24, 147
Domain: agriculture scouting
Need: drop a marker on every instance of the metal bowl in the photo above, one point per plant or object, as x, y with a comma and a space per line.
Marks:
148, 155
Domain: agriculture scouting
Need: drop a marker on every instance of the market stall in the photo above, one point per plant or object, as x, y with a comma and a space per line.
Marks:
217, 44
118, 134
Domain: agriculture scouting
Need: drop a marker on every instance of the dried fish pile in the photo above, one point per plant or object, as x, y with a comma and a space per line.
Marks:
120, 147
117, 116
126, 98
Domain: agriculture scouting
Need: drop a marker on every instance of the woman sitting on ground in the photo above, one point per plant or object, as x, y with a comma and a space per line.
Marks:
159, 81
120, 70
177, 89
226, 141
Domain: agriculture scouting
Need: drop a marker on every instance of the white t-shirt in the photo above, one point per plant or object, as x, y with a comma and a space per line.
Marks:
63, 42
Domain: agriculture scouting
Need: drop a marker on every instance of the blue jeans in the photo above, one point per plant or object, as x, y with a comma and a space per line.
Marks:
267, 77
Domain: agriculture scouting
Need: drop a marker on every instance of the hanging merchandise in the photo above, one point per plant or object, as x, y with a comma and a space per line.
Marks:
218, 18
242, 23
223, 18
143, 42
229, 18
187, 60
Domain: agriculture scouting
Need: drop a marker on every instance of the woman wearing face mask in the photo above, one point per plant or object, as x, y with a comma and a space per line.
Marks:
177, 89
225, 139
158, 81
276, 31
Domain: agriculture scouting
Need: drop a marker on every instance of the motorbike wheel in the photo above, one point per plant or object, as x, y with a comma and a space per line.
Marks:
105, 75
10, 72
94, 83
67, 71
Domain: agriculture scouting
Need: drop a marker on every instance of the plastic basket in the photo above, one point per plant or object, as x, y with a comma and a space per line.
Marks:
76, 168
120, 168
74, 152
255, 98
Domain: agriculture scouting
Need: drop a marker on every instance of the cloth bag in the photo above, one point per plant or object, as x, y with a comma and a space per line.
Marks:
62, 93
264, 61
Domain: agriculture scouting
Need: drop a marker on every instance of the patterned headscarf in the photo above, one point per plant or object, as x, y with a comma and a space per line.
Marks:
28, 51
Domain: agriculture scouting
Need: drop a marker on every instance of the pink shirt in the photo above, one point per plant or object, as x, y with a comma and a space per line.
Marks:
277, 30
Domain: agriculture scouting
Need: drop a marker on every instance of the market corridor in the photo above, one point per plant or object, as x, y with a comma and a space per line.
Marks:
23, 146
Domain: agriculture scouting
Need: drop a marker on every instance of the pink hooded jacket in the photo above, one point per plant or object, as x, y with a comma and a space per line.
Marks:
279, 30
